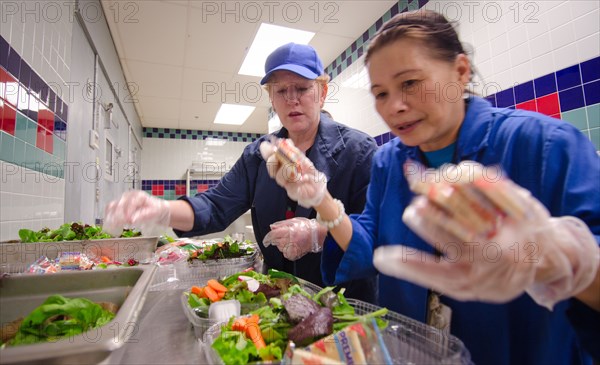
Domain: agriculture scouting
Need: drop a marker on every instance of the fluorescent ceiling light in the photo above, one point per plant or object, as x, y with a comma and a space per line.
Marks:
233, 114
268, 38
359, 80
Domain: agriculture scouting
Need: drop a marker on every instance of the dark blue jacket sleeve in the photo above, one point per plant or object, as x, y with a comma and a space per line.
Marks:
587, 322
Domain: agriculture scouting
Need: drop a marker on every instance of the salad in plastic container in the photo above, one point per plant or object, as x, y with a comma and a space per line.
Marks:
247, 290
188, 261
327, 328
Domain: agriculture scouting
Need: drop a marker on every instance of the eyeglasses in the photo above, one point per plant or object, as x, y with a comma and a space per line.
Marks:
291, 91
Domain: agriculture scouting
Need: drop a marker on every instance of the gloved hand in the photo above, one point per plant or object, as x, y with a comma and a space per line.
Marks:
295, 237
511, 246
138, 210
294, 172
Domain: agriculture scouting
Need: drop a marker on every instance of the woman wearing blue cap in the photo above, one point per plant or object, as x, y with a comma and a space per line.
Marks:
289, 237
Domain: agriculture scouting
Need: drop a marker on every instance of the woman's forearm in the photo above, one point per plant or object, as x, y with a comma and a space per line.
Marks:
182, 215
329, 211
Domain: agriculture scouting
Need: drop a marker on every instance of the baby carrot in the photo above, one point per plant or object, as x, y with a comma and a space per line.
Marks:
249, 326
239, 325
253, 333
198, 291
216, 285
211, 294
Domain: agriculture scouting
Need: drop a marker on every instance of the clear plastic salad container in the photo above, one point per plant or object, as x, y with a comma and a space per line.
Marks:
202, 324
182, 275
409, 342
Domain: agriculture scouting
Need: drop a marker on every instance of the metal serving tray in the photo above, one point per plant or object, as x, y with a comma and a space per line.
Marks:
126, 287
17, 255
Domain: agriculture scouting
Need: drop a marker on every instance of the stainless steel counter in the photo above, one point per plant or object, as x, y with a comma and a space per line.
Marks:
163, 335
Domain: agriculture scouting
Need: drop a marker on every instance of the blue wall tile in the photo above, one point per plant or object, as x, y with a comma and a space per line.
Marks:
592, 92
4, 52
51, 100
36, 86
14, 63
524, 92
385, 138
65, 112
571, 99
544, 85
25, 74
568, 77
590, 70
505, 98
491, 99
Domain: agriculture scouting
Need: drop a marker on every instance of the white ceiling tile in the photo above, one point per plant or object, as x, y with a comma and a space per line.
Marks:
202, 85
205, 113
215, 45
155, 80
156, 31
159, 123
159, 108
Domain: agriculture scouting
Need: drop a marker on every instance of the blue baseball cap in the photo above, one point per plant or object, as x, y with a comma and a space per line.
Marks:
301, 59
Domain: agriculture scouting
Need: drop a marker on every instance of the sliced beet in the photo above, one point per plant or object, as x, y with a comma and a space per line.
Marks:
317, 324
300, 307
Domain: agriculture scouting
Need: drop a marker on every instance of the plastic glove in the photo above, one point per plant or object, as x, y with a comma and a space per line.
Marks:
294, 172
295, 237
522, 250
139, 210
578, 262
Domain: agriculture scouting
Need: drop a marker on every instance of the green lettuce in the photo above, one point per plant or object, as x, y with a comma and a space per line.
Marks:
60, 317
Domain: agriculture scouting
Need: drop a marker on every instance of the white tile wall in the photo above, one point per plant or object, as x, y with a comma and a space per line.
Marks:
540, 36
164, 158
41, 33
350, 101
525, 40
588, 47
28, 199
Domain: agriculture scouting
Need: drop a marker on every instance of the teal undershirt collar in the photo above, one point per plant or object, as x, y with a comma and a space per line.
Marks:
437, 158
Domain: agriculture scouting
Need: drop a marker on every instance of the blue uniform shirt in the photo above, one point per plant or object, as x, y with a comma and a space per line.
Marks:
550, 158
343, 154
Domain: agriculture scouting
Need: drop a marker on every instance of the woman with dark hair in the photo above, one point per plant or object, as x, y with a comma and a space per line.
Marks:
499, 309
